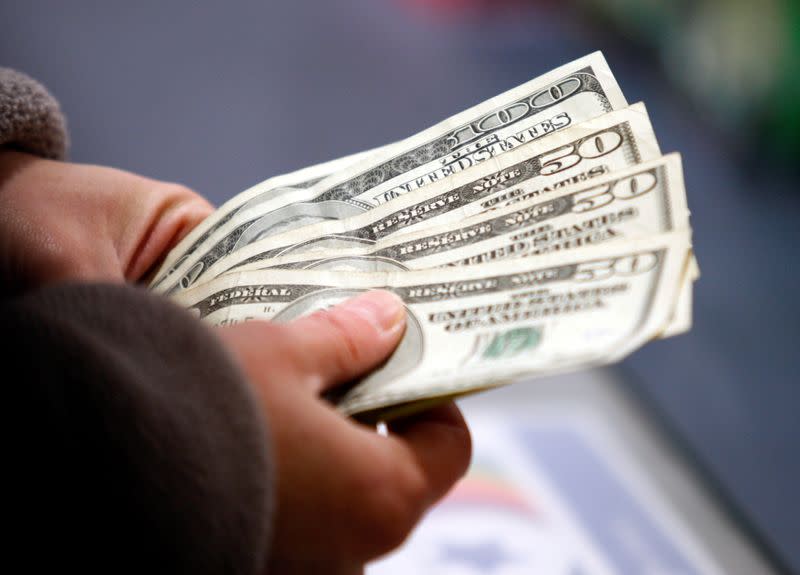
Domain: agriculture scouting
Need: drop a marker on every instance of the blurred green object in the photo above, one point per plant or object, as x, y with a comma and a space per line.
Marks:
737, 59
783, 117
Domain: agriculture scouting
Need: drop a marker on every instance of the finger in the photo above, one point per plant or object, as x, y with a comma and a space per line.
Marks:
366, 491
438, 442
340, 474
162, 214
339, 344
400, 476
313, 566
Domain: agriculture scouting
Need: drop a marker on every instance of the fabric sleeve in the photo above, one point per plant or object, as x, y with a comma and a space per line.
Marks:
142, 448
30, 118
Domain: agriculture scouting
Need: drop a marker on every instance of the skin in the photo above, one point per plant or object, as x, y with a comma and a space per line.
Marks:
62, 221
345, 494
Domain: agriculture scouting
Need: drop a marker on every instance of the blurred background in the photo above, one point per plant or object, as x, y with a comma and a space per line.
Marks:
221, 95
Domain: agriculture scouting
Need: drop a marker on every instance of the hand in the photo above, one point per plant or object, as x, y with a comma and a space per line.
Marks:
345, 494
62, 221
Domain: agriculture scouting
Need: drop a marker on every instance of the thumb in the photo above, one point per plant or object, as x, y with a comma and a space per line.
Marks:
339, 344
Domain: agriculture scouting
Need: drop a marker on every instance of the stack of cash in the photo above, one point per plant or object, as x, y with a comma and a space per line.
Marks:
537, 232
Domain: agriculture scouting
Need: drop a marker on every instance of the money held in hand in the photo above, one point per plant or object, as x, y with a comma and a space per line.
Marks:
538, 232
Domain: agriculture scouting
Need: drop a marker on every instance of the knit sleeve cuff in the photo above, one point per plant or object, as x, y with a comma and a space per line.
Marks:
30, 118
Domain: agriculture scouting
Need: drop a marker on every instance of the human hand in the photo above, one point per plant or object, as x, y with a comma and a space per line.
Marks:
345, 494
61, 221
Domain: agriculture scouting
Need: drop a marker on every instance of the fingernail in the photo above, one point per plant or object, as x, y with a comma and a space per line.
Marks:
381, 308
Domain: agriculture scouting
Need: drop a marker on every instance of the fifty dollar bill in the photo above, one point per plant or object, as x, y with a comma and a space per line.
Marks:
646, 199
482, 325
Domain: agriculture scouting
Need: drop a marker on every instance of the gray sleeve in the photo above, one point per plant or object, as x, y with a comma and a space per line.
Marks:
142, 448
30, 118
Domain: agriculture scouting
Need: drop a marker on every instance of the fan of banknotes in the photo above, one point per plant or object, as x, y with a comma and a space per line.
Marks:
537, 232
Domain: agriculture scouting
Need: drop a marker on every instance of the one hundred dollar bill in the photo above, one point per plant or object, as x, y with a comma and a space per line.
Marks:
611, 142
578, 91
479, 326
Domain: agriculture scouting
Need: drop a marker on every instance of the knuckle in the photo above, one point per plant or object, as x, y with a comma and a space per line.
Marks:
459, 444
249, 336
347, 350
395, 499
179, 204
175, 190
184, 201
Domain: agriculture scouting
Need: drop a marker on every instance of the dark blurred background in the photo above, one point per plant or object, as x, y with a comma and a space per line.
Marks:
221, 95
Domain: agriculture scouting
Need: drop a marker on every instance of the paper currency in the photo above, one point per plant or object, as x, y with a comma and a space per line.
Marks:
247, 200
578, 91
639, 201
481, 324
611, 142
644, 200
538, 232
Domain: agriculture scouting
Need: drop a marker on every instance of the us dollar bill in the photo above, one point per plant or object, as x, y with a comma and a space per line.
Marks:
483, 325
575, 92
611, 142
681, 320
646, 199
247, 200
